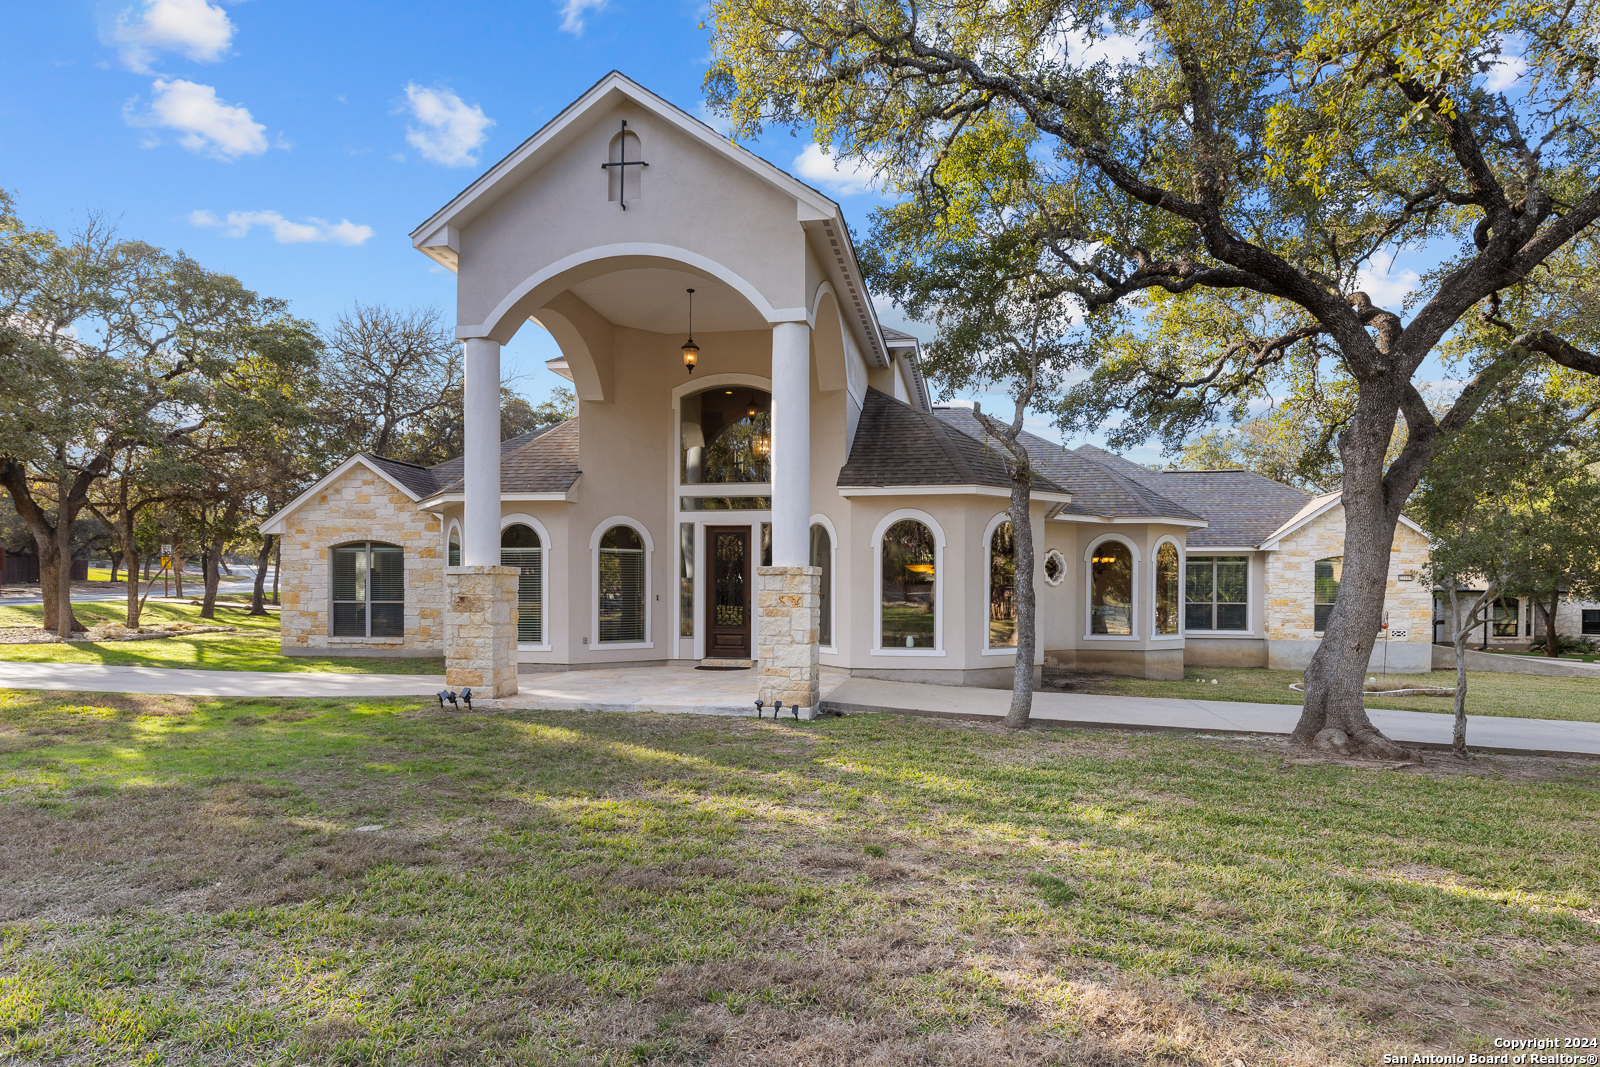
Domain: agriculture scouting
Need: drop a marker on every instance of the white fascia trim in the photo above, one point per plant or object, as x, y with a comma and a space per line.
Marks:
1147, 520
476, 196
947, 490
437, 503
1312, 510
274, 525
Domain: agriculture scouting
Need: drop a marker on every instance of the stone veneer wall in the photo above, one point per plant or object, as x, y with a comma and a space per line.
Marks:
360, 506
788, 612
1291, 591
481, 629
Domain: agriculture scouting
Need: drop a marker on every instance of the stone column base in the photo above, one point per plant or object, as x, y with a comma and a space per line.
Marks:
788, 612
480, 629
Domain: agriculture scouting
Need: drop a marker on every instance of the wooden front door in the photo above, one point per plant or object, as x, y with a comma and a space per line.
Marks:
728, 597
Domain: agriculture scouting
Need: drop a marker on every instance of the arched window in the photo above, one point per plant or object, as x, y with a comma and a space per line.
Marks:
520, 548
1329, 573
1111, 590
909, 584
621, 592
1003, 587
369, 590
627, 181
725, 438
453, 552
1167, 588
822, 556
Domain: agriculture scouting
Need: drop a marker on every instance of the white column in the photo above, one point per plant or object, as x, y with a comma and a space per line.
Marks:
791, 444
480, 535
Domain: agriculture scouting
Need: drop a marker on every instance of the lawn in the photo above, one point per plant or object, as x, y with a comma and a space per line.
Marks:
253, 648
346, 882
1488, 693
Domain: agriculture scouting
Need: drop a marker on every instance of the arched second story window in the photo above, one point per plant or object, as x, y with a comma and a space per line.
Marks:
1329, 573
1167, 588
910, 584
520, 547
369, 590
621, 591
1111, 590
822, 556
1003, 587
453, 551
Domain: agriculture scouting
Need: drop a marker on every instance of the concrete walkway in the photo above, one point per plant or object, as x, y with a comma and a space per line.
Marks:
1486, 732
686, 690
99, 678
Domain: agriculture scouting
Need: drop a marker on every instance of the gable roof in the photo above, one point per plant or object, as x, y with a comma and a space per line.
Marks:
898, 446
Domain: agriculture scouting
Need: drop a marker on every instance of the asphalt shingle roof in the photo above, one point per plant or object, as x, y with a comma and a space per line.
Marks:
540, 461
419, 480
896, 444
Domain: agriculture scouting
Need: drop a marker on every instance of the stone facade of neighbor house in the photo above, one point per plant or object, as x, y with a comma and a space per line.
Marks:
1292, 637
360, 505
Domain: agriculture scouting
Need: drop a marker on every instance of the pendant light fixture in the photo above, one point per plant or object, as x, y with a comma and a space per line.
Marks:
691, 351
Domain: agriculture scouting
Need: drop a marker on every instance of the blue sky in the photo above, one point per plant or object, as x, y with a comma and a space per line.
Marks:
295, 145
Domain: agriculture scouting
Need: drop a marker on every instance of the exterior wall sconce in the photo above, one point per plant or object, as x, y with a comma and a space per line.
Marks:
691, 351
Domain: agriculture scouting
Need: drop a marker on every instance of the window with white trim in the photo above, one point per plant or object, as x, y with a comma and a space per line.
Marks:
520, 547
1166, 588
910, 582
1111, 590
453, 552
822, 556
369, 590
1002, 588
1216, 593
621, 590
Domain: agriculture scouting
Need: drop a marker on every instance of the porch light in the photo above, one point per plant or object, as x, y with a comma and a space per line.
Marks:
761, 445
691, 351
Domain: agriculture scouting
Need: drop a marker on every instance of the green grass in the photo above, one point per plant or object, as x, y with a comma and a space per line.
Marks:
1488, 693
184, 882
254, 648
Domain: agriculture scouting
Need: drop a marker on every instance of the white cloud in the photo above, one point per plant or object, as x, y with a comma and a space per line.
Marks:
1505, 73
1388, 290
451, 130
572, 14
311, 231
842, 178
196, 28
1074, 49
203, 123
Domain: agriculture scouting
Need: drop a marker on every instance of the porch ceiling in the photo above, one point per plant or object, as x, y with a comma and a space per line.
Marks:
653, 298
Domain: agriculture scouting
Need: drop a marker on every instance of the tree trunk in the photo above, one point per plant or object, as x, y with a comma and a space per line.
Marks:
116, 563
1022, 585
210, 575
1459, 632
1552, 640
257, 599
66, 622
177, 573
1334, 717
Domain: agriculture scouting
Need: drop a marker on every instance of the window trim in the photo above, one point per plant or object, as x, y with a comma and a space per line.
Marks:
452, 529
1249, 588
986, 649
1315, 603
833, 584
876, 544
680, 488
524, 519
1133, 590
638, 527
1183, 561
404, 601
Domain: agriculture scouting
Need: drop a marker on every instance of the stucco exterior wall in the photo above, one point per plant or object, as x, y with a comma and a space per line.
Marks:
1292, 638
360, 506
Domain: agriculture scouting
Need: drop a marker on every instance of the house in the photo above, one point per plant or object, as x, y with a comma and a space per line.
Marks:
757, 471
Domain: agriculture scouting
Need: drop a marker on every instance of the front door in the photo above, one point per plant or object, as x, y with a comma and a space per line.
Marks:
728, 627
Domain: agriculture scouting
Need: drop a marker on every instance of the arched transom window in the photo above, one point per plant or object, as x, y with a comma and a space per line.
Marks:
621, 591
520, 547
910, 584
1111, 590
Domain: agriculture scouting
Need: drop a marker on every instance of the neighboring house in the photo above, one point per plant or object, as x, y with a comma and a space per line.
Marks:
1514, 623
803, 437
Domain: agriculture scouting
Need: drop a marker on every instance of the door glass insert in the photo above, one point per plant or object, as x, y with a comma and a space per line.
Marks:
729, 581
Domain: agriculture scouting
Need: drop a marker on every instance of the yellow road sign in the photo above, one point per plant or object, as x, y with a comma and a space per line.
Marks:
166, 561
